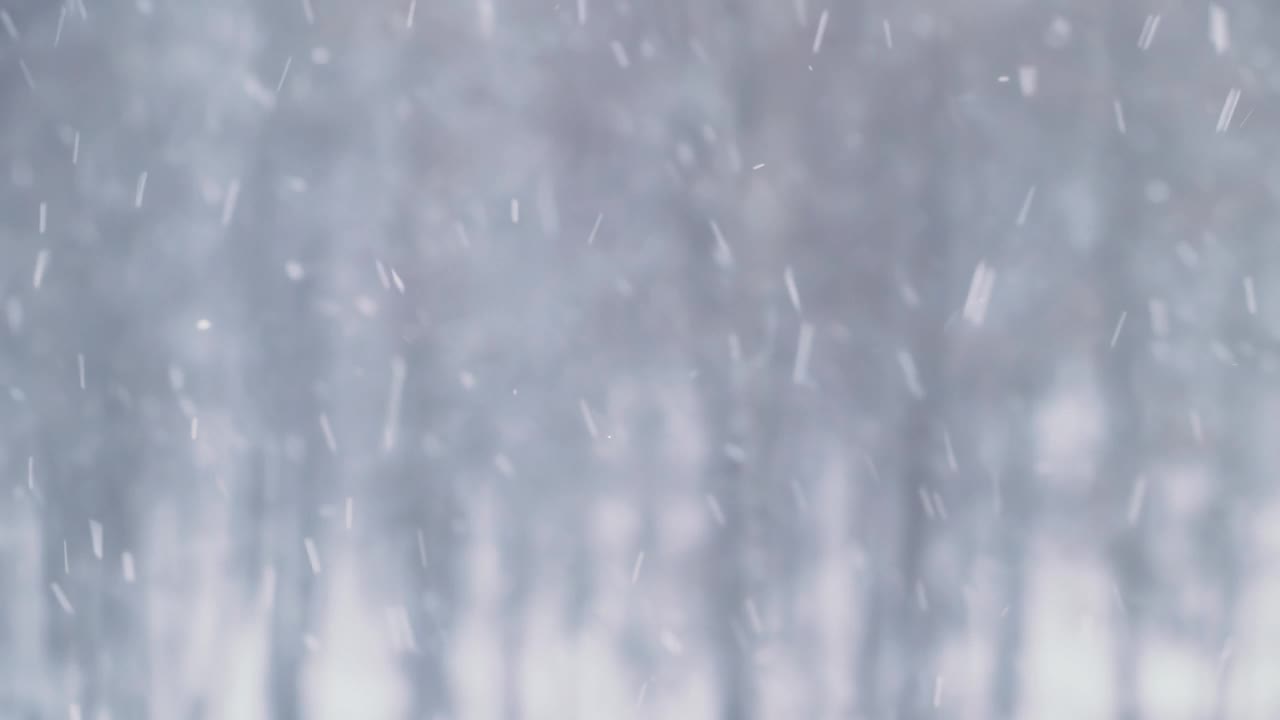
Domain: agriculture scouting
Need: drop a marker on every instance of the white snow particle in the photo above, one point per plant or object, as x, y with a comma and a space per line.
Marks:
910, 374
822, 30
1228, 110
62, 598
620, 54
1219, 28
487, 16
723, 254
7, 21
671, 643
1115, 335
1136, 499
591, 238
793, 292
587, 419
327, 430
1148, 32
284, 74
95, 538
229, 202
42, 264
390, 426
804, 348
26, 74
1025, 210
1028, 80
979, 297
140, 190
717, 513
313, 556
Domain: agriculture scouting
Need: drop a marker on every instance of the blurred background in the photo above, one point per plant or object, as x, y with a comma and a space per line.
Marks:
730, 359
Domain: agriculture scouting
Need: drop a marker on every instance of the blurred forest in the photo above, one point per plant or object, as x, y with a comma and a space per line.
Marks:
727, 359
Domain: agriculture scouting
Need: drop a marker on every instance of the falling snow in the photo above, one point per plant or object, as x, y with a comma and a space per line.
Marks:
755, 359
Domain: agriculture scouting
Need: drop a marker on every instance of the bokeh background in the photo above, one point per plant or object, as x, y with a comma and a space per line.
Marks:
730, 359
